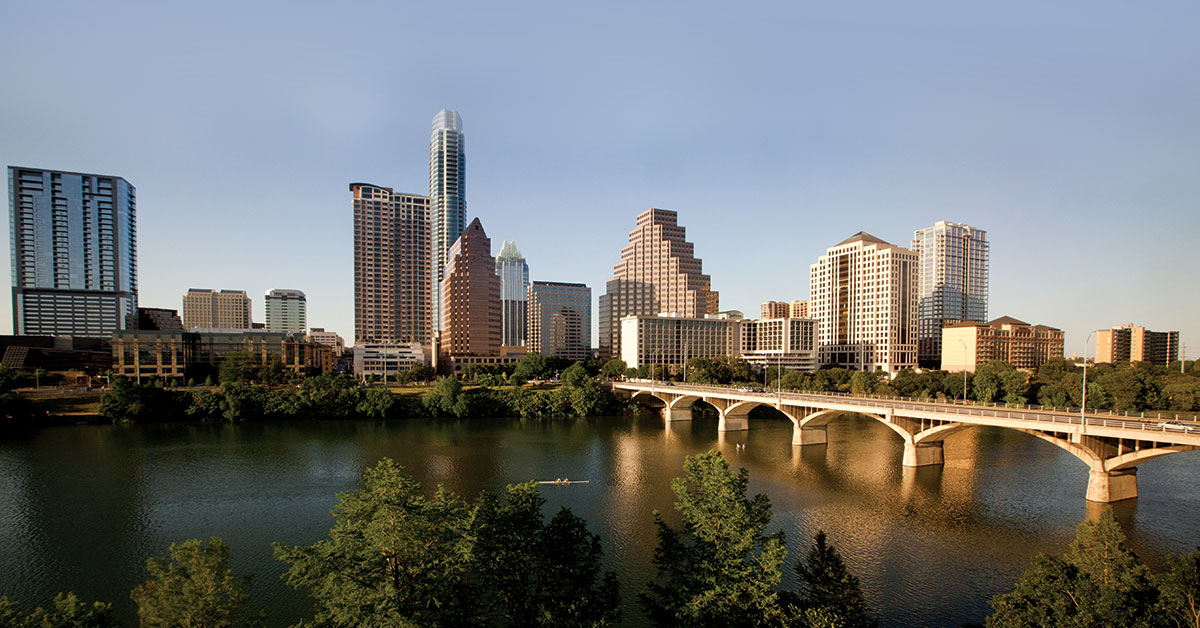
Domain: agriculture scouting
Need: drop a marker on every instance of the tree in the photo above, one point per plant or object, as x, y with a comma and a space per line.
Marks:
721, 568
863, 383
829, 590
446, 399
66, 611
239, 366
377, 403
575, 375
613, 368
1179, 591
331, 396
1097, 582
533, 366
192, 588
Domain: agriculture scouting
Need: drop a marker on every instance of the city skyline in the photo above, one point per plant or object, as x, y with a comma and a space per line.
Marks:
1077, 159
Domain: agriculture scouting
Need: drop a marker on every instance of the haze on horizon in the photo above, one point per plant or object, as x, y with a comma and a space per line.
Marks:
1070, 132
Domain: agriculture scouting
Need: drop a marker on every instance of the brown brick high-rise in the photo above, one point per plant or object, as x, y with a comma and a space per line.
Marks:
391, 266
470, 293
658, 272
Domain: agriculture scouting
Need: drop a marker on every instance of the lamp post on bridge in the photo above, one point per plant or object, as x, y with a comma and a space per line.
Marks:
965, 358
1083, 398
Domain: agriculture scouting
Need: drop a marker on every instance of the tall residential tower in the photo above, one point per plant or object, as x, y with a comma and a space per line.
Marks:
658, 272
952, 285
73, 246
863, 295
447, 197
392, 289
514, 288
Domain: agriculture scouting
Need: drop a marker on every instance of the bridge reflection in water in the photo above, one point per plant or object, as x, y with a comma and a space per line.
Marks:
1112, 446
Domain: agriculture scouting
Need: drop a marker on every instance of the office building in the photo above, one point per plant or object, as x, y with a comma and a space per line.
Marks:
385, 360
470, 298
672, 339
787, 342
287, 311
952, 284
863, 296
158, 319
1130, 343
514, 294
560, 320
447, 198
392, 288
774, 309
331, 339
210, 309
73, 248
658, 272
198, 355
798, 309
967, 345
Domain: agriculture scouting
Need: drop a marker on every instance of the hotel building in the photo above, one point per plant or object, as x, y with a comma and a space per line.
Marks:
210, 309
790, 343
952, 286
73, 248
863, 296
560, 320
1129, 343
658, 272
967, 345
391, 265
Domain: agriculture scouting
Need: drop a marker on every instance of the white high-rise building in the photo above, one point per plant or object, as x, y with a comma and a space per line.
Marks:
287, 311
447, 198
952, 286
863, 294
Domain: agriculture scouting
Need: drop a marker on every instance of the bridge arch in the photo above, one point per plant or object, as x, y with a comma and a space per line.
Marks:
822, 418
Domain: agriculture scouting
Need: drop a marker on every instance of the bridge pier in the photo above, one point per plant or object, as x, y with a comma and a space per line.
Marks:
809, 435
924, 454
733, 422
1112, 486
677, 414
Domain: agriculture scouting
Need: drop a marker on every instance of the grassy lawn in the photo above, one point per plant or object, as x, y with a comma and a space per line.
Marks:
67, 404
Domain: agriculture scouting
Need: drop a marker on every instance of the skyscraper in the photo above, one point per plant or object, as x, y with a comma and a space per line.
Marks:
514, 289
447, 197
210, 309
73, 245
952, 285
863, 294
658, 272
392, 289
470, 298
560, 319
287, 311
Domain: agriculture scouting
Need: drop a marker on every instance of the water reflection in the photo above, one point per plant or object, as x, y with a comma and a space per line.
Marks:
82, 507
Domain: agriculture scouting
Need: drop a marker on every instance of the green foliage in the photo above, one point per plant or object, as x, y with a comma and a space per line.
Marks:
331, 396
239, 366
377, 403
576, 375
534, 366
446, 399
829, 591
613, 368
1000, 381
721, 568
863, 383
125, 400
1097, 582
66, 611
193, 587
1179, 591
398, 558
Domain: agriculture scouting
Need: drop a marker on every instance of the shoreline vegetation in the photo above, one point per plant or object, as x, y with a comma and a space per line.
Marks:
401, 555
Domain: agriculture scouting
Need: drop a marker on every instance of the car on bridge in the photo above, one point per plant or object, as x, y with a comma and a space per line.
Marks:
1176, 426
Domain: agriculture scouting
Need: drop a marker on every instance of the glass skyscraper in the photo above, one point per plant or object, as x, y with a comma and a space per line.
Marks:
447, 197
73, 239
952, 283
560, 319
514, 288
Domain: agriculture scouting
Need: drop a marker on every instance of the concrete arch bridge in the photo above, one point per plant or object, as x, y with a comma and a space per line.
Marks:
1111, 445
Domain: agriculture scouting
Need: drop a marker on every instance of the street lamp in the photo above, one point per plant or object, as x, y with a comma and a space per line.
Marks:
1083, 398
965, 358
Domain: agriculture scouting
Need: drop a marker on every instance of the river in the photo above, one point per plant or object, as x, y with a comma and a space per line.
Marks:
82, 507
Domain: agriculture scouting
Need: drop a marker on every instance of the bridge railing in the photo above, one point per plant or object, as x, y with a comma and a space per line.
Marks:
980, 409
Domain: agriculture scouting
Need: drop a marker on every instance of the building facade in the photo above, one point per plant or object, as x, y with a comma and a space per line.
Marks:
158, 319
73, 248
786, 342
287, 311
863, 296
392, 289
1130, 343
560, 320
470, 298
774, 309
211, 309
514, 294
180, 354
447, 198
798, 309
658, 272
331, 339
672, 340
967, 345
952, 284
385, 360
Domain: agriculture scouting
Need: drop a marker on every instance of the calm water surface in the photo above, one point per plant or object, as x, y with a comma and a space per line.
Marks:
82, 507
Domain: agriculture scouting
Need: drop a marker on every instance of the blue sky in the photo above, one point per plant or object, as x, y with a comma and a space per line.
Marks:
1069, 131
